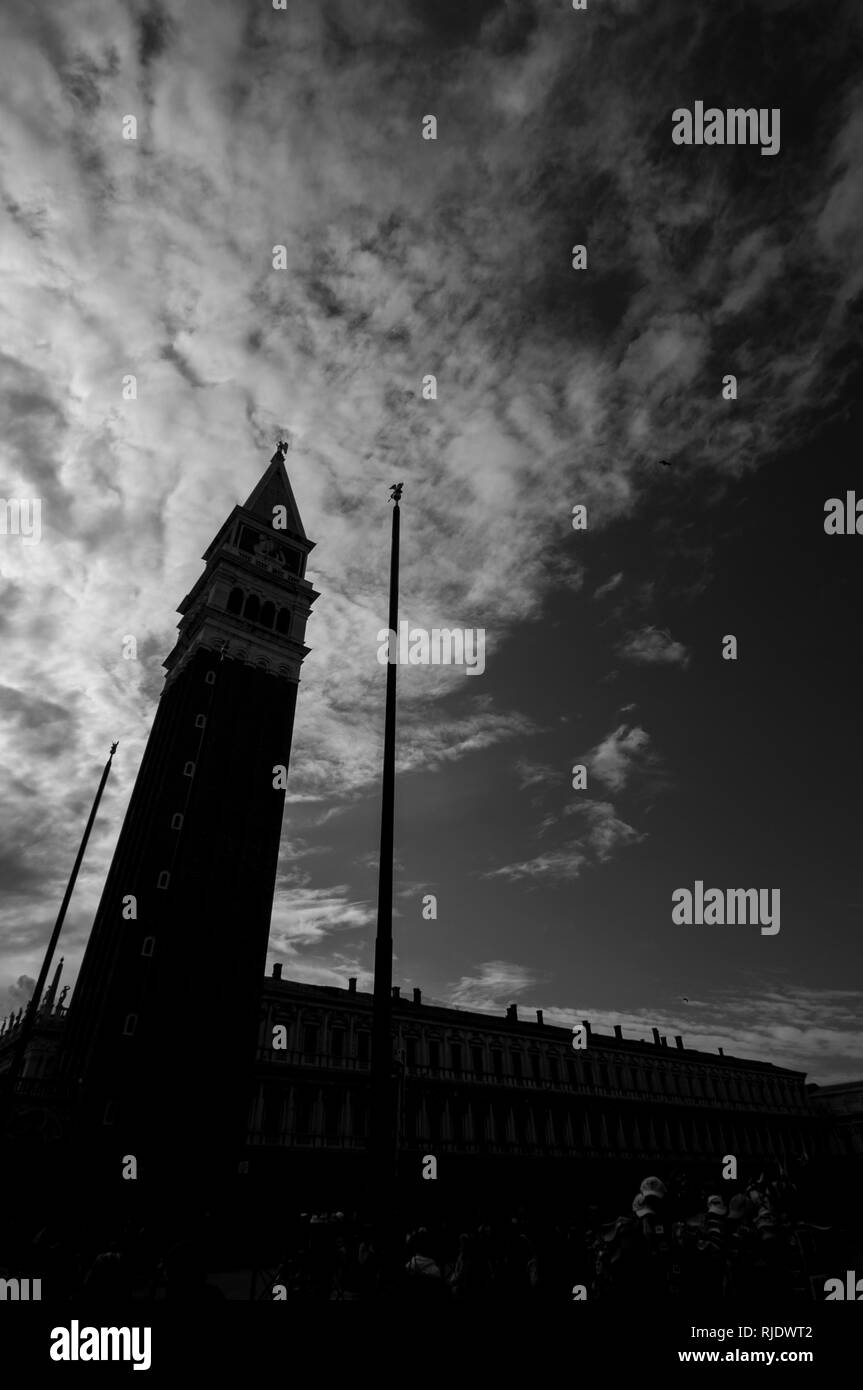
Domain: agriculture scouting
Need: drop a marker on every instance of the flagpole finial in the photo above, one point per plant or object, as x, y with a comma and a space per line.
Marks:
396, 492
113, 749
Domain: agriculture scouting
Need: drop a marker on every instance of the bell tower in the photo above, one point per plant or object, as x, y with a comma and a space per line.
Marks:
163, 1022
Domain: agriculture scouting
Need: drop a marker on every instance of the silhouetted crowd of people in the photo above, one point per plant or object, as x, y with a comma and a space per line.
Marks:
746, 1243
752, 1241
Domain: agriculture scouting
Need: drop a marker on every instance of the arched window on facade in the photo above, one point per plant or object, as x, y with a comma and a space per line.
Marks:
252, 608
283, 621
235, 601
268, 614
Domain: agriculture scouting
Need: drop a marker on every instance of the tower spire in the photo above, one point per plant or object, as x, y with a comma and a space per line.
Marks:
189, 895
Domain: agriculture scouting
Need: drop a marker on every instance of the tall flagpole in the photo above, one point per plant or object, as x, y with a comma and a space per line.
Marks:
9, 1079
383, 1137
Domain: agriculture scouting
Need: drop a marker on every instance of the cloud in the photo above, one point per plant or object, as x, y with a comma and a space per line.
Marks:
609, 586
306, 915
496, 985
335, 968
815, 1031
531, 774
652, 647
560, 865
606, 832
259, 128
16, 995
619, 755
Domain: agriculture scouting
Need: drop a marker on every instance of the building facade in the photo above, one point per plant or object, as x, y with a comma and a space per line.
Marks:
842, 1105
474, 1088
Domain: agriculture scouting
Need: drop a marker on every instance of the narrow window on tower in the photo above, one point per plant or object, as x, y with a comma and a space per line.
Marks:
337, 1042
268, 614
283, 621
200, 721
177, 821
164, 879
455, 1052
189, 770
434, 1055
476, 1056
516, 1063
235, 601
497, 1063
148, 946
130, 1025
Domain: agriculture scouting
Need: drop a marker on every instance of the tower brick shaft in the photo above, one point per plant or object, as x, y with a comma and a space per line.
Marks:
163, 1023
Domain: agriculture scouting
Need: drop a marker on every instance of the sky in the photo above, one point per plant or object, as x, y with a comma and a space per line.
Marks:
556, 387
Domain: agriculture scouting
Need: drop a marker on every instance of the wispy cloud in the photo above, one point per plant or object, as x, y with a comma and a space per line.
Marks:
493, 988
606, 832
622, 754
310, 914
609, 586
531, 774
804, 1029
652, 647
554, 865
335, 968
